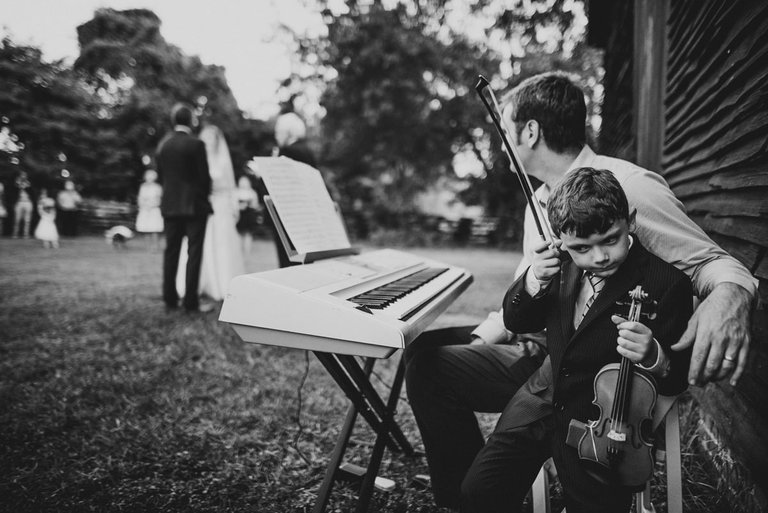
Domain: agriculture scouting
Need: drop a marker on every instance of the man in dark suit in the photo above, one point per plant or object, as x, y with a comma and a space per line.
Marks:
182, 168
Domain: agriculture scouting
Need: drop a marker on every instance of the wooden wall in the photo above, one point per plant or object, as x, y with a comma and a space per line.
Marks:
714, 155
611, 26
715, 158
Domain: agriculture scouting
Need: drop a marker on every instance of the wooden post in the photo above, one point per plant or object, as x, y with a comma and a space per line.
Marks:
650, 65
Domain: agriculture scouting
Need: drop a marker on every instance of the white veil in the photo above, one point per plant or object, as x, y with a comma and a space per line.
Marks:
219, 160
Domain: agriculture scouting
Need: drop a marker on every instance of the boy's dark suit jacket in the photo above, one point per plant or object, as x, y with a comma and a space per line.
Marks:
578, 354
182, 168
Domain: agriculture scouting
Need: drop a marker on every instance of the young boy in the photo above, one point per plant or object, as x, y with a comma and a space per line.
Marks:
575, 301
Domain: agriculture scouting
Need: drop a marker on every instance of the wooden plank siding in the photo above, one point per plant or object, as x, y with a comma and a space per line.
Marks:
715, 158
649, 81
714, 155
611, 26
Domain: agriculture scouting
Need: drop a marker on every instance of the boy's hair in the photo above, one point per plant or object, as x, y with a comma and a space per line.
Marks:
557, 103
587, 201
182, 114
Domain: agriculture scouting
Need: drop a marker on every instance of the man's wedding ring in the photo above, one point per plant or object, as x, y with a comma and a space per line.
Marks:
729, 358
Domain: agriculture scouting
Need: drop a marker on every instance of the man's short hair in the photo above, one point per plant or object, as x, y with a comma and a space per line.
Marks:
182, 114
557, 103
587, 201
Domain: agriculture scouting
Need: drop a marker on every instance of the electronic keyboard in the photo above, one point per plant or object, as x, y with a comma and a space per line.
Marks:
369, 304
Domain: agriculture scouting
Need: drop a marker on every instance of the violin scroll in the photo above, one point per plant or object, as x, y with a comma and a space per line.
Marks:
637, 304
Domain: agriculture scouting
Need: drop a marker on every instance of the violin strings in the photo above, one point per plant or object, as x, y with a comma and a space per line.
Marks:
622, 386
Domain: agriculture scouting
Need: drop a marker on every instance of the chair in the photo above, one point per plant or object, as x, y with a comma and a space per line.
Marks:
666, 409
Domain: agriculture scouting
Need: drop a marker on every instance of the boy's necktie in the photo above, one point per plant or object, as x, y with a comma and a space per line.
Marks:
597, 284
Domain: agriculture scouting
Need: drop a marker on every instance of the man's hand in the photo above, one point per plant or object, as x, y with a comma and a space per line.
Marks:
719, 331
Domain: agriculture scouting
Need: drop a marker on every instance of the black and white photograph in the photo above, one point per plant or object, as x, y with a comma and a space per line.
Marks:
384, 256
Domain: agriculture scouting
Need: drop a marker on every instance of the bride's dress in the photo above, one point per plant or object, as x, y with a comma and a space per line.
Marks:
222, 253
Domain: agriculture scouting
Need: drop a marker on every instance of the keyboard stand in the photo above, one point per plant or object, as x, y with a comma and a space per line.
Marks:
354, 381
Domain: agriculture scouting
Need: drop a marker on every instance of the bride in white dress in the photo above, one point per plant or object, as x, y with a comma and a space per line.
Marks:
222, 254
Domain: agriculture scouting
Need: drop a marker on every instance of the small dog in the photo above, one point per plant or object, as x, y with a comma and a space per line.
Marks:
118, 236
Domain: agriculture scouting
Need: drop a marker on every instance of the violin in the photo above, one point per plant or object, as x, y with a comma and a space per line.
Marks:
617, 447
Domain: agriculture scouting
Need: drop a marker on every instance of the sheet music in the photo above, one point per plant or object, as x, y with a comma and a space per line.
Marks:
302, 201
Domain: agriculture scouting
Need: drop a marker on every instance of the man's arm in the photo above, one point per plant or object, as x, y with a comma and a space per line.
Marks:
524, 313
720, 326
491, 330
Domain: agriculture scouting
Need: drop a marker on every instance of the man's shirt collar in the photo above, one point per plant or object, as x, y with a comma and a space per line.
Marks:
182, 128
585, 158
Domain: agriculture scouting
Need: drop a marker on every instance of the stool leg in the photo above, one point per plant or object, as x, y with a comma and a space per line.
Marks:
674, 465
540, 492
643, 502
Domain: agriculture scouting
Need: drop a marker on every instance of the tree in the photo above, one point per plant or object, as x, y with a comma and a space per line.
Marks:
401, 103
52, 118
139, 77
399, 96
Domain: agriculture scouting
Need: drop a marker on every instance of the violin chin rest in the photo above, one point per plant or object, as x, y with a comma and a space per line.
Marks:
576, 430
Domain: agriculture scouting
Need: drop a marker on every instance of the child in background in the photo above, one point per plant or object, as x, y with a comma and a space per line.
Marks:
46, 229
149, 219
248, 203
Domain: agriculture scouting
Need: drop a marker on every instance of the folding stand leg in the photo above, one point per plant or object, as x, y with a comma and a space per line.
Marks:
375, 401
338, 451
360, 397
366, 487
355, 383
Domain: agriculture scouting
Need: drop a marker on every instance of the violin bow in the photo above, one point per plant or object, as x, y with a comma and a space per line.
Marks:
525, 182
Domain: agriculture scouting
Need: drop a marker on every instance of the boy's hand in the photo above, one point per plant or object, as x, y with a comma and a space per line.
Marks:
546, 262
635, 341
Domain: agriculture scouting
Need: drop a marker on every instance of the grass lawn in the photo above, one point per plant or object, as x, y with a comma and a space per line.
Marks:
110, 403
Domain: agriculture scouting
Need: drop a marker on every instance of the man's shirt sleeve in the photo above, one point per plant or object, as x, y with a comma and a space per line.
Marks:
667, 231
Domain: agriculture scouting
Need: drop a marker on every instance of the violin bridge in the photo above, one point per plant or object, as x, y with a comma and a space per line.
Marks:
616, 436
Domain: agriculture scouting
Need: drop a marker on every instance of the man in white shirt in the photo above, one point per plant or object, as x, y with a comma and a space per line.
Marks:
452, 373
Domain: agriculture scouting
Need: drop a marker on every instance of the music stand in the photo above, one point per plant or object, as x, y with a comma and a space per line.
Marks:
354, 380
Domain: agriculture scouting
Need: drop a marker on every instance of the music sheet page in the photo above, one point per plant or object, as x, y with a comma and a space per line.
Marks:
303, 204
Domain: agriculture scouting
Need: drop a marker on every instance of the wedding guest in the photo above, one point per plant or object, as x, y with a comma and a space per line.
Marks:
149, 219
46, 230
68, 200
291, 138
290, 134
22, 210
248, 204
